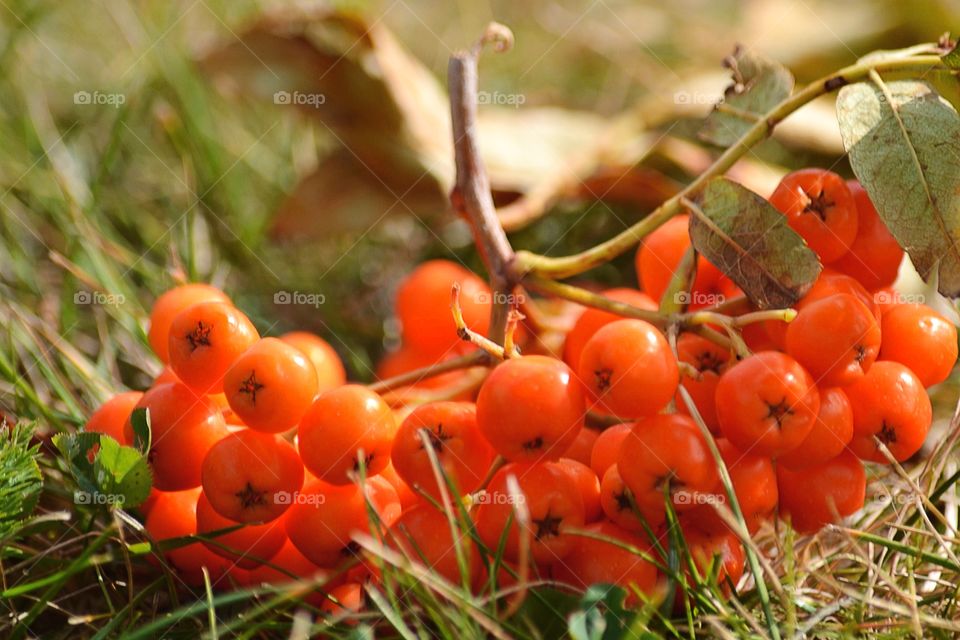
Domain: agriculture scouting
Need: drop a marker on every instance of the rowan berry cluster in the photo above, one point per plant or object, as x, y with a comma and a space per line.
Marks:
565, 462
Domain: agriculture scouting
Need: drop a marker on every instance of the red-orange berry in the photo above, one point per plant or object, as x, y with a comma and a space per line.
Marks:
326, 361
891, 406
920, 338
618, 561
423, 306
661, 252
530, 408
112, 416
629, 370
874, 256
587, 483
205, 340
606, 450
710, 360
270, 386
248, 546
171, 303
767, 404
591, 320
666, 455
836, 339
821, 494
326, 517
174, 515
830, 435
342, 424
551, 498
184, 428
252, 477
423, 534
818, 205
582, 447
754, 483
618, 502
451, 430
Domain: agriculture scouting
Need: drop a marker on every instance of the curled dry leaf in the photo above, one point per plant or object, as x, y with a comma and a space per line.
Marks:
390, 117
758, 86
385, 111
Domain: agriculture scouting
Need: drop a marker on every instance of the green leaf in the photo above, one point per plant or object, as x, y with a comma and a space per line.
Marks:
903, 140
546, 610
20, 477
601, 614
79, 450
142, 433
106, 473
758, 86
746, 238
122, 471
588, 624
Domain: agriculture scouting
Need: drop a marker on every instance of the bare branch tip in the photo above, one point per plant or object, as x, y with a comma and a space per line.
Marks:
498, 35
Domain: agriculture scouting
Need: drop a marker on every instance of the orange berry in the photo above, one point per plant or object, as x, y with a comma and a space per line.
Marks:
629, 370
112, 416
661, 252
271, 386
920, 338
423, 534
710, 360
463, 454
830, 435
582, 447
587, 483
530, 408
767, 404
408, 497
288, 564
591, 320
889, 405
205, 340
326, 361
815, 496
249, 546
423, 306
754, 483
342, 423
344, 600
551, 498
174, 515
171, 303
252, 477
875, 256
606, 450
617, 501
184, 428
818, 205
666, 452
322, 523
594, 561
836, 339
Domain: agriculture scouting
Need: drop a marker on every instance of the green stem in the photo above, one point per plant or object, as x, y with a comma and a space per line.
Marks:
595, 300
709, 317
564, 267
